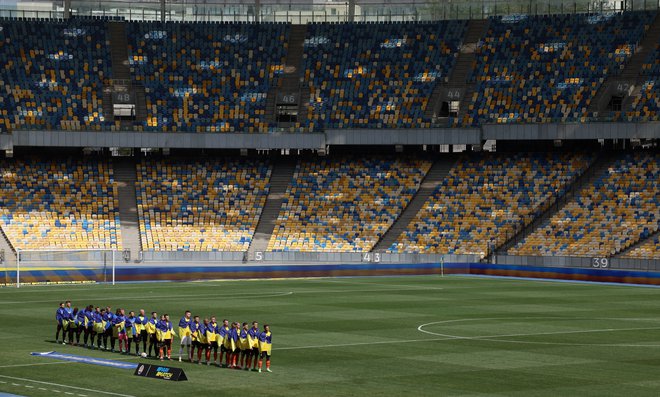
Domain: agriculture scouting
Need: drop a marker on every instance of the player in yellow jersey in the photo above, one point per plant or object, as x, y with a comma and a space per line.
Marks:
151, 331
243, 344
265, 347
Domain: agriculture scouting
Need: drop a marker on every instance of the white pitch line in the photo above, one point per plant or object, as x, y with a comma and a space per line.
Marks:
61, 385
583, 331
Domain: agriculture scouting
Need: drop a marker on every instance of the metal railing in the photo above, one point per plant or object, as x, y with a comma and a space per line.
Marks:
308, 12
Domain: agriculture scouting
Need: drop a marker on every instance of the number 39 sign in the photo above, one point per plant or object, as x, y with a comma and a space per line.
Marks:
600, 263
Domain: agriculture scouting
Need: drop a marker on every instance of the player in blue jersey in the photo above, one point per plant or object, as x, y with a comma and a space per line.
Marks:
99, 328
223, 341
265, 347
164, 332
253, 342
151, 331
132, 333
80, 322
60, 316
184, 334
195, 329
89, 330
108, 318
243, 344
234, 345
213, 339
141, 334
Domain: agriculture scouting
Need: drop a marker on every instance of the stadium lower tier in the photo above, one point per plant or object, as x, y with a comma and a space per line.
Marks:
341, 204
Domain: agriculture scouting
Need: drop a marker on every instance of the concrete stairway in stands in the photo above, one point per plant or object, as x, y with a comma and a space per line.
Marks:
121, 71
10, 257
125, 175
438, 172
460, 73
630, 73
289, 81
280, 178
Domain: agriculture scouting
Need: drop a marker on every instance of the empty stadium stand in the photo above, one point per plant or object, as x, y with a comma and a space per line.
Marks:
619, 209
436, 175
206, 77
548, 68
485, 199
344, 204
212, 205
53, 74
59, 204
376, 75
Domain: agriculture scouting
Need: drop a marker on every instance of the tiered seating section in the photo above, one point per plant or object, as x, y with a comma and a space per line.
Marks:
620, 208
376, 75
485, 199
548, 68
209, 205
649, 249
52, 74
344, 204
206, 77
59, 204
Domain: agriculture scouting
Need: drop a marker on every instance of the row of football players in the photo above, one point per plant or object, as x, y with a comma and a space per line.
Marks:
240, 345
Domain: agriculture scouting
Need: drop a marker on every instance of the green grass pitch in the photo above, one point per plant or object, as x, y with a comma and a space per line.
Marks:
416, 336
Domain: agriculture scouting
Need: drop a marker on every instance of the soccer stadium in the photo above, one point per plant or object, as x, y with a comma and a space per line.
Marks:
329, 198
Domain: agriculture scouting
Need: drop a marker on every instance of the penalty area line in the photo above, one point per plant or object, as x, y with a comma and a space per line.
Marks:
67, 386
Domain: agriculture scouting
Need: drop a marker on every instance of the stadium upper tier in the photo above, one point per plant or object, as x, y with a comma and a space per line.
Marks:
224, 77
68, 204
620, 208
376, 75
548, 68
211, 205
52, 74
344, 204
485, 199
206, 77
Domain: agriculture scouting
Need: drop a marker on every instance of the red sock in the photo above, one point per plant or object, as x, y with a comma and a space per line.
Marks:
249, 361
199, 354
260, 362
242, 360
215, 356
268, 363
169, 352
161, 352
227, 360
208, 355
221, 354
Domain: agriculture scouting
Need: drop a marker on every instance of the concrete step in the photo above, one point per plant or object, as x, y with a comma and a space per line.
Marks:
636, 244
280, 178
438, 172
125, 175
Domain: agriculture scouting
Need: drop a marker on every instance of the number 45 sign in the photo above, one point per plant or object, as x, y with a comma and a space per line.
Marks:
600, 263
